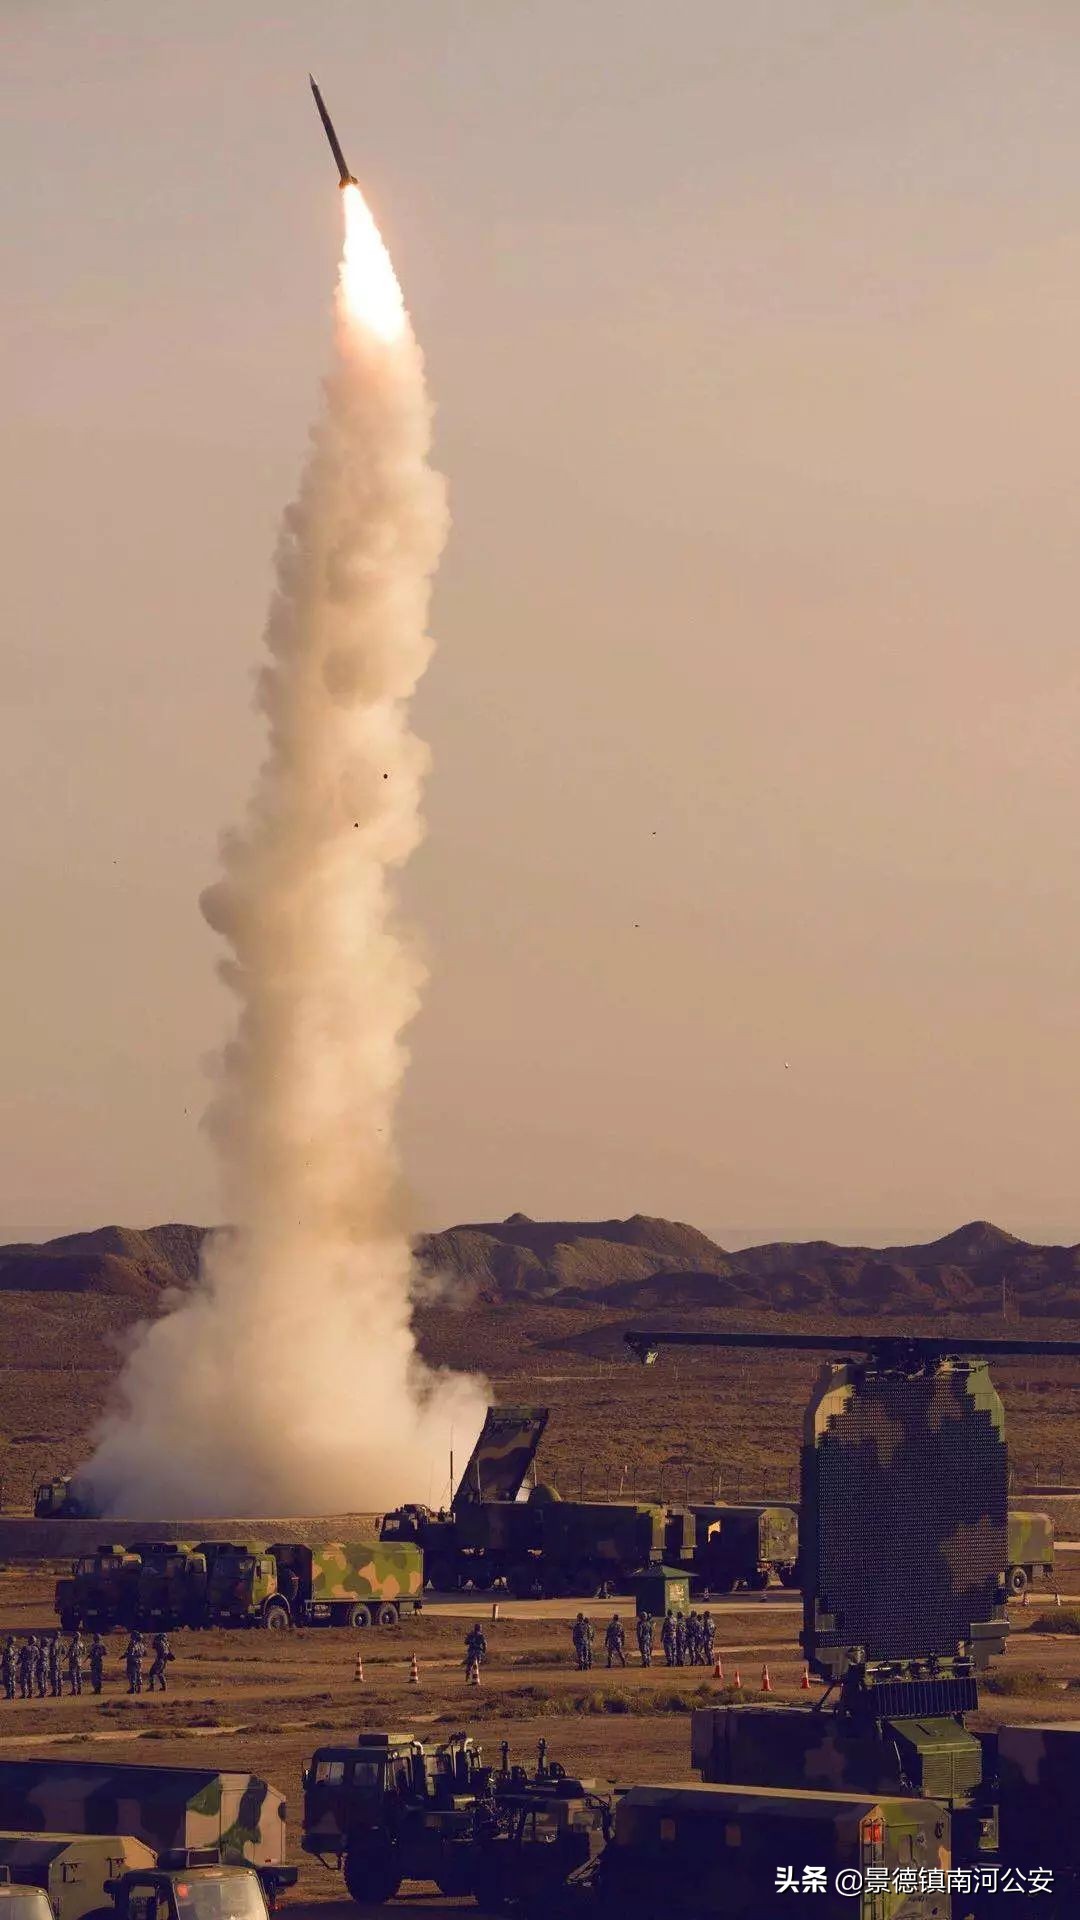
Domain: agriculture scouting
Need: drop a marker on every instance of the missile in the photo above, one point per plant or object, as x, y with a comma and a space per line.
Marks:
347, 179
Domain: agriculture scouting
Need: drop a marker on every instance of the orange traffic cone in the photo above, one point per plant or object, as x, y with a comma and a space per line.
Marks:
766, 1683
472, 1678
805, 1681
718, 1669
359, 1674
414, 1673
736, 1678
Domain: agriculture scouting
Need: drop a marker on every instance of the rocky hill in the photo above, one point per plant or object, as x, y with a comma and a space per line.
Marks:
639, 1265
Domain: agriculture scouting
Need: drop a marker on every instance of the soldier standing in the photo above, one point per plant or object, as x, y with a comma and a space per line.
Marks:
475, 1649
708, 1637
26, 1668
75, 1662
97, 1662
615, 1641
8, 1664
667, 1637
163, 1653
644, 1638
41, 1665
56, 1671
133, 1659
577, 1635
680, 1640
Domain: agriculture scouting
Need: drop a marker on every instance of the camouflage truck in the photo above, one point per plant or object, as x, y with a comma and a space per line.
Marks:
489, 1533
712, 1852
72, 1868
743, 1546
391, 1807
163, 1807
593, 1546
1030, 1550
347, 1583
101, 1590
171, 1587
795, 1746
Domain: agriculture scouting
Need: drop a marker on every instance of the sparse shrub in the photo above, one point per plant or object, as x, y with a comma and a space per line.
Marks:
1019, 1680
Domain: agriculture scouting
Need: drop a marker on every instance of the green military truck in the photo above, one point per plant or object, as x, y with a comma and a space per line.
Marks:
163, 1807
101, 1590
725, 1853
597, 1546
347, 1583
391, 1808
744, 1546
195, 1884
1030, 1550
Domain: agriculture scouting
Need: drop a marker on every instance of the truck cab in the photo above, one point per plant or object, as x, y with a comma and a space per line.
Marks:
241, 1584
22, 1903
391, 1808
101, 1590
197, 1884
171, 1583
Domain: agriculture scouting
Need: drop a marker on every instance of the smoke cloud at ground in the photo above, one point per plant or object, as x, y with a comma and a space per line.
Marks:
288, 1380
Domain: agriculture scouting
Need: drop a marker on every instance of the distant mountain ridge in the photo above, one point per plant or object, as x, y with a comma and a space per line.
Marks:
644, 1263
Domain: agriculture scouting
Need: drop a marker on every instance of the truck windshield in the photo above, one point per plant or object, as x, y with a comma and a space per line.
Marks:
220, 1896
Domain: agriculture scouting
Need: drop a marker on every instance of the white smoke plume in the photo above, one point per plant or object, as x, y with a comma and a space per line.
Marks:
288, 1380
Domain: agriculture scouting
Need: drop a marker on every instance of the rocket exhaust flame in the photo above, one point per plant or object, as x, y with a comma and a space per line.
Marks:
288, 1379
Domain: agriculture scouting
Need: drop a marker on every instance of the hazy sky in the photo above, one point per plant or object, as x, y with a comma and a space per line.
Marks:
750, 892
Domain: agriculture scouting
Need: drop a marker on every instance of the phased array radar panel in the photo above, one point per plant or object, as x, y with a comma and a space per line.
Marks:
903, 1515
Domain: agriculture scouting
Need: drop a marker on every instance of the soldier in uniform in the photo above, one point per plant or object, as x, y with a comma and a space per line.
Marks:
26, 1668
56, 1671
708, 1637
75, 1662
41, 1666
8, 1666
163, 1653
691, 1639
615, 1641
680, 1640
97, 1662
667, 1637
133, 1661
577, 1635
475, 1648
644, 1638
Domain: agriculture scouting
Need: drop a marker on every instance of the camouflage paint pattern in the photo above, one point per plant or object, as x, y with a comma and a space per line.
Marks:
502, 1456
365, 1570
1030, 1542
103, 1587
797, 1747
930, 1450
161, 1806
172, 1583
715, 1850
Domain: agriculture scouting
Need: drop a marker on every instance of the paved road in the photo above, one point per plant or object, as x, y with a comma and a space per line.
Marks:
461, 1606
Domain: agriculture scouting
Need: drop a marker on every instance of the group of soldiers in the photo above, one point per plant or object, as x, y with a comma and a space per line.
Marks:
687, 1642
35, 1668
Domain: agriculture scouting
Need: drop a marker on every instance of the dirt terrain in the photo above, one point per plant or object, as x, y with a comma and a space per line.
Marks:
265, 1701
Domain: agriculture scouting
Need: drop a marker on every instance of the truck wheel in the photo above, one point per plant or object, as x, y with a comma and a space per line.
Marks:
1016, 1580
275, 1616
371, 1878
386, 1617
360, 1616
